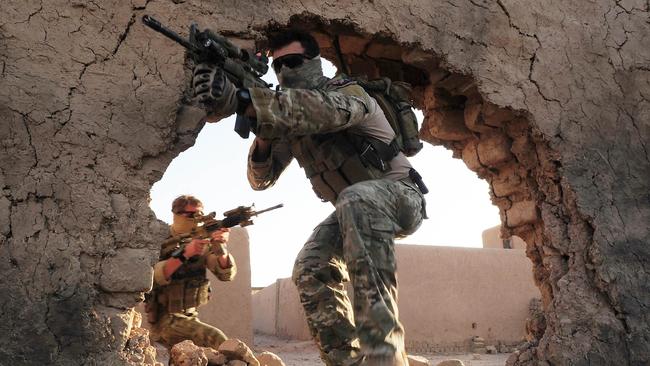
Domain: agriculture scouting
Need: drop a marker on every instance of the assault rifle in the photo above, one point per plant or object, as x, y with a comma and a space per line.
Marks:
242, 67
238, 216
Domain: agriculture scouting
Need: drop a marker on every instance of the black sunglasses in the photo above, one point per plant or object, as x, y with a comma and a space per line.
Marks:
291, 61
188, 213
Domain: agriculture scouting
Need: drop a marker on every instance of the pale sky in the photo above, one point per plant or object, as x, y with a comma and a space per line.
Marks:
214, 170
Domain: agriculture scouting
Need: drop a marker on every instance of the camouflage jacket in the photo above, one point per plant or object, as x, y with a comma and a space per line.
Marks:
336, 105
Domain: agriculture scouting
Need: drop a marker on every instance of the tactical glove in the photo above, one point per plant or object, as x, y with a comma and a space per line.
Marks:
214, 91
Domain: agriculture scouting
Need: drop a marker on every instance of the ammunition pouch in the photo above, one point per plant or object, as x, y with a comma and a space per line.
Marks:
394, 99
332, 162
408, 125
184, 294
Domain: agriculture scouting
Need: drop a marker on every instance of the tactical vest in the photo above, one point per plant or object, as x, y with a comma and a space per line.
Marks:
189, 287
337, 160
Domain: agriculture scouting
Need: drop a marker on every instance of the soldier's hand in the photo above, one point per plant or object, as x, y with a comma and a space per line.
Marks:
214, 91
220, 236
195, 247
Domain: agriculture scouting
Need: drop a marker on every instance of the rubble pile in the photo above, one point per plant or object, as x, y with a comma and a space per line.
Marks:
232, 352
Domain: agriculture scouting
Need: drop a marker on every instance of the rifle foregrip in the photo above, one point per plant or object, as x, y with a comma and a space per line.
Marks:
231, 221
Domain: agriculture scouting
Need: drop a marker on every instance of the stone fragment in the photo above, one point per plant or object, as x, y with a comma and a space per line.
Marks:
476, 356
352, 44
384, 50
508, 181
524, 150
495, 116
324, 40
138, 348
502, 348
360, 66
521, 213
269, 359
447, 124
491, 349
456, 84
474, 118
117, 321
512, 359
471, 114
235, 349
435, 98
122, 300
536, 321
420, 59
470, 156
494, 150
454, 362
418, 361
215, 358
162, 353
237, 363
136, 322
186, 353
526, 356
437, 75
129, 270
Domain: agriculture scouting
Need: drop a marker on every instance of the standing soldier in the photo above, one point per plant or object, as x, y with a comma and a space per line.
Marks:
180, 283
343, 141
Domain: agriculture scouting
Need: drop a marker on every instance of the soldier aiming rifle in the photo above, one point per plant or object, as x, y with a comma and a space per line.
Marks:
197, 242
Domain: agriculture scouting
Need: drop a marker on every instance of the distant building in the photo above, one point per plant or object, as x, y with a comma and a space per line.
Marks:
492, 239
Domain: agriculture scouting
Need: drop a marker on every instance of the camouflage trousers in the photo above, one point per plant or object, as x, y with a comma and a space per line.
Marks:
176, 327
356, 242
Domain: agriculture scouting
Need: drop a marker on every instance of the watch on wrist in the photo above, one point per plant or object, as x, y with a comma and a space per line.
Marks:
178, 254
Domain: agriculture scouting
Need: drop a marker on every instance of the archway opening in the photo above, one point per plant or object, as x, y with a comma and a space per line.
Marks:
494, 142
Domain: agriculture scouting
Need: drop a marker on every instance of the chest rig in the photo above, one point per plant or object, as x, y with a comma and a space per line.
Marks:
189, 287
334, 161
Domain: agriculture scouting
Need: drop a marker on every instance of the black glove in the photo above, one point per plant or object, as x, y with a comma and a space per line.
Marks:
213, 90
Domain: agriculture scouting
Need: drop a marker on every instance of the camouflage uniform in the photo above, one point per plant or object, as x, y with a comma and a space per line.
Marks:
171, 305
358, 238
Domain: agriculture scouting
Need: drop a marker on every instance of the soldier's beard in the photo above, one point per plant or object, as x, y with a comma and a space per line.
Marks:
182, 224
305, 76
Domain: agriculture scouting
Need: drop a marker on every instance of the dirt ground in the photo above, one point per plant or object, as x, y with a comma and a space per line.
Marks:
304, 353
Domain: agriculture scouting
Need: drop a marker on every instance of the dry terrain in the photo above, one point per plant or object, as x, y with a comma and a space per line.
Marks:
304, 353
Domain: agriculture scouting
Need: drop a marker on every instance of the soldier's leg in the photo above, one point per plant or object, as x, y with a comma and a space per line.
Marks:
206, 335
319, 273
370, 214
179, 327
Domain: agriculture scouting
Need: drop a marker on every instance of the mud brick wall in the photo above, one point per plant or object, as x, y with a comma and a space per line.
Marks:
549, 102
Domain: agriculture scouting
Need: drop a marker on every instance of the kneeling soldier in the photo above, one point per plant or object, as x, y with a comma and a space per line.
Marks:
181, 285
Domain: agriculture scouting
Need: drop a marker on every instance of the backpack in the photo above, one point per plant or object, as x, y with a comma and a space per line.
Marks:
394, 99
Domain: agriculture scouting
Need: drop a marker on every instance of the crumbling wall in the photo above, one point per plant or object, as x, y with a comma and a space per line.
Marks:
548, 102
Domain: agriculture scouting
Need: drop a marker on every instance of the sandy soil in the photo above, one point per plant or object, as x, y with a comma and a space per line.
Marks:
304, 353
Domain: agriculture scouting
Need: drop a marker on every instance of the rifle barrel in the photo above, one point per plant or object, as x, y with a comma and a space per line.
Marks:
269, 209
155, 25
